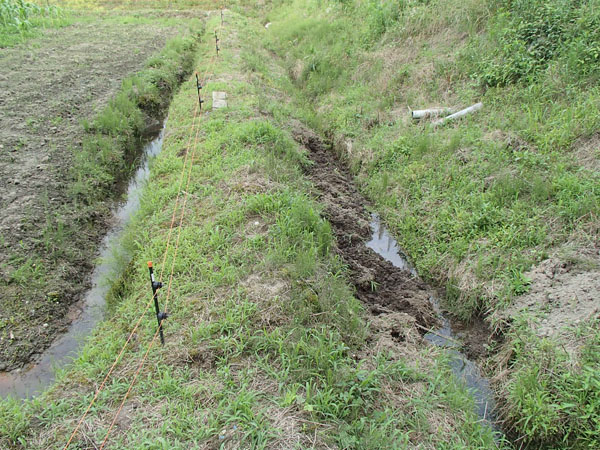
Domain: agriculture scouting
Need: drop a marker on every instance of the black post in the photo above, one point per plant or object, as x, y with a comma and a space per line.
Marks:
160, 316
199, 86
217, 42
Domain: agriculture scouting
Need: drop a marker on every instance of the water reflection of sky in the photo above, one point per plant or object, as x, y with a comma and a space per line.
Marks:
385, 245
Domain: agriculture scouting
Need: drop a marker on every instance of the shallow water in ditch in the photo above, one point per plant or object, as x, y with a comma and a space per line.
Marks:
466, 370
32, 380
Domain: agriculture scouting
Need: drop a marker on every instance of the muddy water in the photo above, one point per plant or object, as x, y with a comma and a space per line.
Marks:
464, 369
32, 380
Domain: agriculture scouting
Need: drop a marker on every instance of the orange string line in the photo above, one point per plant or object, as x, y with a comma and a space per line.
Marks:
178, 195
137, 372
149, 303
210, 65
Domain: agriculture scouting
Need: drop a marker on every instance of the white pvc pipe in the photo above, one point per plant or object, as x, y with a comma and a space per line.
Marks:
459, 114
419, 114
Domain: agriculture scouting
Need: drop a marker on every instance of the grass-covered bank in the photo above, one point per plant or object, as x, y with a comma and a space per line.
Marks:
477, 203
265, 346
114, 136
494, 207
71, 133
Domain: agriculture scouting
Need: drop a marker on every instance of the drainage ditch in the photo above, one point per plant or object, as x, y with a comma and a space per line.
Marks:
382, 276
85, 315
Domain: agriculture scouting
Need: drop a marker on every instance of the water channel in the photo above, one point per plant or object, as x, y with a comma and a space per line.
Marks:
33, 379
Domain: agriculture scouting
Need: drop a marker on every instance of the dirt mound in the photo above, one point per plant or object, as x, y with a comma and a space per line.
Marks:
379, 284
562, 295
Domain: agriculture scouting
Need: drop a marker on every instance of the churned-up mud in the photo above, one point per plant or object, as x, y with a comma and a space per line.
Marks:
48, 86
381, 286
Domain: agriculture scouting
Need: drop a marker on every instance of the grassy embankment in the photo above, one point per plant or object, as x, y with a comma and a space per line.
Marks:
476, 204
265, 346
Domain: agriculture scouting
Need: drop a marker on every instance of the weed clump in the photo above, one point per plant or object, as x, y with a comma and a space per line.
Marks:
551, 398
108, 151
527, 35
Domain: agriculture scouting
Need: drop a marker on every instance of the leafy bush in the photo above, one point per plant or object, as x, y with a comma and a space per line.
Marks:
582, 49
526, 35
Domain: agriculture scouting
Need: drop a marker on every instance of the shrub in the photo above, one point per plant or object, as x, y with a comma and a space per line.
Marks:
526, 35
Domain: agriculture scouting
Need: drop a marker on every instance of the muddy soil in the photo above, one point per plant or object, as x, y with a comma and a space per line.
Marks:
380, 285
47, 242
383, 287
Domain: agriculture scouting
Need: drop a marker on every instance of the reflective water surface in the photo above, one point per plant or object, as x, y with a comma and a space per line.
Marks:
466, 370
32, 380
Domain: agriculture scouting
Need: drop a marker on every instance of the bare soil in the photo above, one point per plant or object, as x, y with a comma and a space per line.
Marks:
381, 286
564, 293
47, 242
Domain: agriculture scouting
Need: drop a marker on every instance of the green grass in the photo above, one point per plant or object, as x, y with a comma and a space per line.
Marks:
266, 345
474, 201
477, 203
20, 20
114, 135
552, 399
137, 5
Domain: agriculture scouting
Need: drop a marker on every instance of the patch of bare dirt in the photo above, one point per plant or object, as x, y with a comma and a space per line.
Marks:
563, 295
379, 284
587, 152
271, 293
510, 140
47, 87
387, 331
